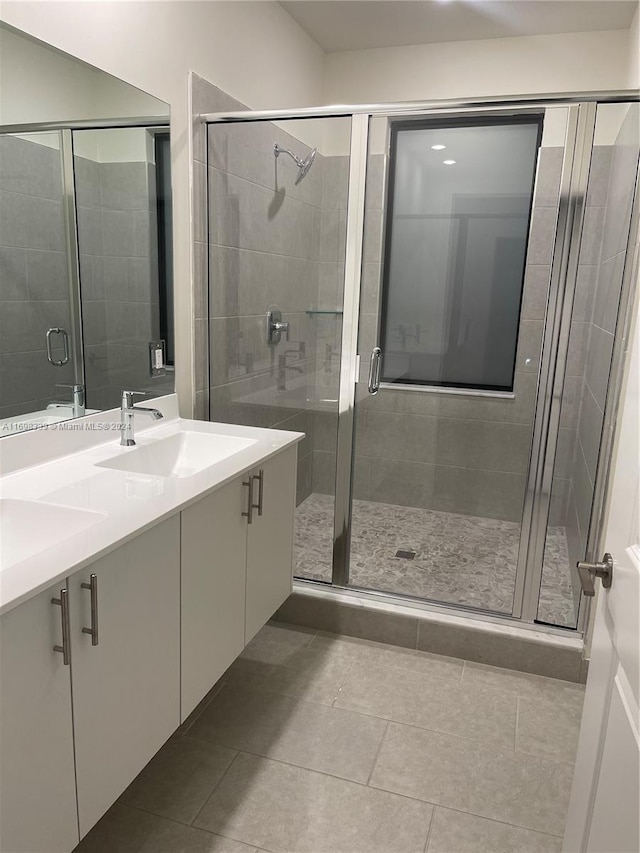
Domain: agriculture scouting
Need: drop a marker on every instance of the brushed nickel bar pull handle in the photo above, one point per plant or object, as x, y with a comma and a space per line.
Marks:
260, 478
65, 648
249, 513
374, 370
92, 586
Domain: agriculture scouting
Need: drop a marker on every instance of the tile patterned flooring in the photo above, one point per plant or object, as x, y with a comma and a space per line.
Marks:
460, 559
312, 743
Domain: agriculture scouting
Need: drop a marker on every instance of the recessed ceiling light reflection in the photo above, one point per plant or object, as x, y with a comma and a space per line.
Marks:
438, 147
449, 162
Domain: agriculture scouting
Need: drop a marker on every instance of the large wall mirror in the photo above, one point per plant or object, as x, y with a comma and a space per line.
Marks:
86, 278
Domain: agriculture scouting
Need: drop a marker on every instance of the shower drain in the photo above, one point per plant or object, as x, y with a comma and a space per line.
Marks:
405, 555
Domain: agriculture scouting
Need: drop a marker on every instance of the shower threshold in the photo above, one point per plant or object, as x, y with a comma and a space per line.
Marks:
459, 560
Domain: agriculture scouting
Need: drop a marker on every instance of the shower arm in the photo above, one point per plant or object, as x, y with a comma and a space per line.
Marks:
278, 150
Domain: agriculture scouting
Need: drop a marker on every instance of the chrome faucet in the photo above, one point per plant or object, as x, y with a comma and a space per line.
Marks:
77, 402
283, 367
127, 412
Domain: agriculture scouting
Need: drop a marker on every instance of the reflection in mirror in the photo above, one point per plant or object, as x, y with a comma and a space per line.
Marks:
85, 238
117, 187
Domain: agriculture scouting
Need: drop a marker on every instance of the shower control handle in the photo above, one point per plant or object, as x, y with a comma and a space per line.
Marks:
276, 326
588, 572
375, 365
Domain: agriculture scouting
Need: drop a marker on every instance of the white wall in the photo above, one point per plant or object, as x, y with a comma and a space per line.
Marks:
41, 84
252, 50
530, 64
633, 79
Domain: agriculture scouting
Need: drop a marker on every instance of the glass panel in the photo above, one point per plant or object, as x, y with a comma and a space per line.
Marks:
34, 281
459, 203
440, 475
117, 216
277, 244
614, 164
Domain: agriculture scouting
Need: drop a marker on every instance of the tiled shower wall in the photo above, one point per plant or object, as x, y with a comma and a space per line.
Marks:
602, 257
117, 235
270, 244
34, 283
448, 452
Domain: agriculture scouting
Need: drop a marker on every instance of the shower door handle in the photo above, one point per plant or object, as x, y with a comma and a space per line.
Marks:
375, 366
65, 343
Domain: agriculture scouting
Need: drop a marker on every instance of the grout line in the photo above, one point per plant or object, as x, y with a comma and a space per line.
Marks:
515, 733
492, 819
460, 811
375, 759
426, 844
211, 792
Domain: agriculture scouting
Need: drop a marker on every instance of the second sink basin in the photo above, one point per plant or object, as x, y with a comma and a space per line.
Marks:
179, 455
28, 527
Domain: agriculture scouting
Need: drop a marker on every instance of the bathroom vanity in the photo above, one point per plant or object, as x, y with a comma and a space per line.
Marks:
131, 579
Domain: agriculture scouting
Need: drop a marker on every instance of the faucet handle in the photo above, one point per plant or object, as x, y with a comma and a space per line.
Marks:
127, 397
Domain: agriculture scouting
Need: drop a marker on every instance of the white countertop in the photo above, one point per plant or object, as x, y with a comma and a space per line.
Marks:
127, 503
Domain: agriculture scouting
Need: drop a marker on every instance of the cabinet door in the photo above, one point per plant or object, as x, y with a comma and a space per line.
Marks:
126, 690
37, 780
270, 542
214, 553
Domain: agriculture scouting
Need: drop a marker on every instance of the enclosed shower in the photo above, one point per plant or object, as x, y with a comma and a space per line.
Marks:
435, 294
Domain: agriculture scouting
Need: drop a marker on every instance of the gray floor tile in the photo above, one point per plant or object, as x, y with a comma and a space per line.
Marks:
127, 830
523, 790
310, 735
169, 837
178, 780
290, 810
549, 726
365, 651
521, 683
457, 832
435, 703
122, 829
309, 675
277, 643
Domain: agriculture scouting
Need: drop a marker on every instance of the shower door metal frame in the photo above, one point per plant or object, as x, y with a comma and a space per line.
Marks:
581, 123
555, 347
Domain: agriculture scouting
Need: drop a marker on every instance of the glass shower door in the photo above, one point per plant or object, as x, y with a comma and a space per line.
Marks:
275, 240
460, 220
36, 344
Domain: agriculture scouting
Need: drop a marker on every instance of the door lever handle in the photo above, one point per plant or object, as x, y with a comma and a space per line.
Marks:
588, 572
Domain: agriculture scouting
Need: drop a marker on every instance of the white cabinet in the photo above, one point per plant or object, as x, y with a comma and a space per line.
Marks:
126, 694
150, 625
37, 777
236, 569
270, 540
214, 553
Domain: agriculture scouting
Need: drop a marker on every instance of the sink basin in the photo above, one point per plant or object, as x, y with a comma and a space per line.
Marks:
179, 455
29, 527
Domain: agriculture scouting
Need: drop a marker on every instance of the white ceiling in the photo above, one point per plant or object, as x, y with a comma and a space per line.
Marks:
346, 25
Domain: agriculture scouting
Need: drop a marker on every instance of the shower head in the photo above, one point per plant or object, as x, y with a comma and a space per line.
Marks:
303, 165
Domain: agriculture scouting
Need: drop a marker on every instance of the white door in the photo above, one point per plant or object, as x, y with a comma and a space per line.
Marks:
214, 556
37, 777
605, 799
270, 541
126, 689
